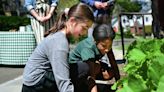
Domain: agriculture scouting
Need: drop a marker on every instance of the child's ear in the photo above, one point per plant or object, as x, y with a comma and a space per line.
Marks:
72, 20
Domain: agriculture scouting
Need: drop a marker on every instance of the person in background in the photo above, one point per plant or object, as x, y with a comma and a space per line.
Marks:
47, 68
85, 60
102, 11
42, 14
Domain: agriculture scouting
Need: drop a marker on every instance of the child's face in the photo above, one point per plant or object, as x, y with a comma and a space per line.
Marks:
104, 46
81, 28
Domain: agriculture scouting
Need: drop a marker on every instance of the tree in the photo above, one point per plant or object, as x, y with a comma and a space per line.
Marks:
7, 5
158, 18
155, 23
128, 6
11, 7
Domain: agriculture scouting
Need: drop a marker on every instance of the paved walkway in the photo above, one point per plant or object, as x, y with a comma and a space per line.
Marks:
15, 85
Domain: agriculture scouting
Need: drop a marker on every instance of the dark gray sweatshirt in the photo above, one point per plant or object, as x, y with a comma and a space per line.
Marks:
51, 52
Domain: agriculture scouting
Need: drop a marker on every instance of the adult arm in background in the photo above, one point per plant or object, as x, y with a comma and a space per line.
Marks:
52, 9
29, 4
108, 4
93, 3
113, 64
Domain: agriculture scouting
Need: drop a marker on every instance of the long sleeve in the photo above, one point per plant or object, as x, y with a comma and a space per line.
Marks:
113, 64
61, 71
58, 56
29, 4
54, 3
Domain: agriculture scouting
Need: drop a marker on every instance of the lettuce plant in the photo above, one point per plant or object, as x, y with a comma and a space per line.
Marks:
145, 67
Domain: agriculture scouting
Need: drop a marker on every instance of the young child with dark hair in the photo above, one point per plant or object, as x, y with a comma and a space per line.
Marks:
85, 60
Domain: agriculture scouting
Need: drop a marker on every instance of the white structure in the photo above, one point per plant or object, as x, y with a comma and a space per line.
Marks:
147, 19
126, 22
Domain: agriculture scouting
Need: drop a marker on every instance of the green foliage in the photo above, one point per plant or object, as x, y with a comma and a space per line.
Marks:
74, 40
161, 84
127, 34
145, 72
129, 6
12, 22
66, 4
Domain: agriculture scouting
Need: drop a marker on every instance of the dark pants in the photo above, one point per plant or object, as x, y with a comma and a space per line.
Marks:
104, 88
79, 73
46, 84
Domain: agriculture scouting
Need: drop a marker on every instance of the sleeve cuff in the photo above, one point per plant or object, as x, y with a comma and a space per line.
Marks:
91, 3
30, 7
54, 4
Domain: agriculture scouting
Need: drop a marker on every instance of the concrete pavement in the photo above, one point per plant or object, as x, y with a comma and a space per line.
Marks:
14, 85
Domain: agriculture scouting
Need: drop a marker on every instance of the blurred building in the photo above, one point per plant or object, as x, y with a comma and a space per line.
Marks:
12, 7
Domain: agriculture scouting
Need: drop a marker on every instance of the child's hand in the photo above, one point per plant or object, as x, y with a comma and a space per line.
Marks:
98, 62
107, 75
94, 68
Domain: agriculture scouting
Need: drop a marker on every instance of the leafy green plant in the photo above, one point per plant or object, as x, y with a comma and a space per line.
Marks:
12, 22
66, 4
128, 5
145, 72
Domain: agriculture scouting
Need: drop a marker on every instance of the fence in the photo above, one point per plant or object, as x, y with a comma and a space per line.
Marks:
121, 28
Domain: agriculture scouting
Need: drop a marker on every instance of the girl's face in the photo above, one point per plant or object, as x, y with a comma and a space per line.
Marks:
104, 46
81, 28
